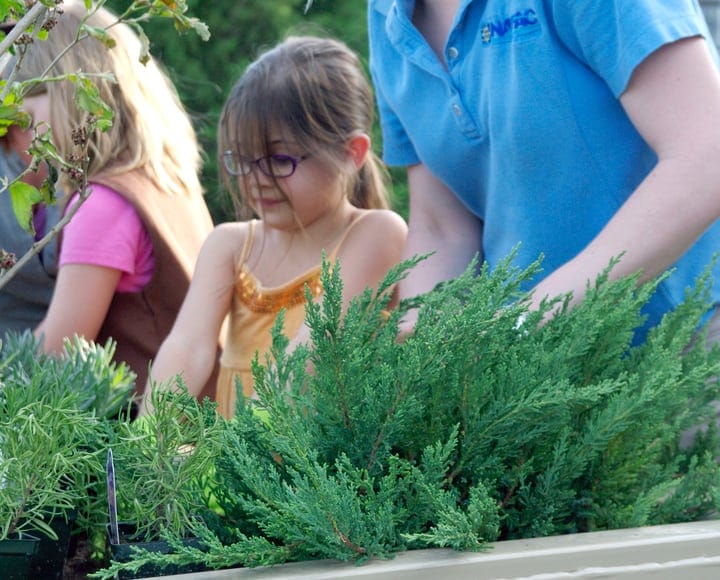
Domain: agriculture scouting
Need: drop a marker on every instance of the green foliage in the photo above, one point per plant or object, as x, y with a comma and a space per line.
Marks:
102, 386
10, 8
488, 422
164, 471
50, 441
88, 389
24, 197
163, 460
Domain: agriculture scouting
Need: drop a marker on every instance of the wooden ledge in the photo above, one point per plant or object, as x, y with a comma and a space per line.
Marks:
688, 551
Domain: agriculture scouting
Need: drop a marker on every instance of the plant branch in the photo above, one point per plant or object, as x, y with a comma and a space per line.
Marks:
37, 11
35, 14
38, 246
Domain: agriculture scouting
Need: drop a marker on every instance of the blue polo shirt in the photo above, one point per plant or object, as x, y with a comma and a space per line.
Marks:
525, 125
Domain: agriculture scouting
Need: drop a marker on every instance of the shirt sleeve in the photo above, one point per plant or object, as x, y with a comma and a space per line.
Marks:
106, 231
614, 36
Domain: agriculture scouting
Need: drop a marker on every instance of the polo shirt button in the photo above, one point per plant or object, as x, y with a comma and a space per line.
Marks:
453, 53
457, 110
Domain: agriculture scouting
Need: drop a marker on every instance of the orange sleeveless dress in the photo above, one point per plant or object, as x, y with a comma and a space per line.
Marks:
253, 313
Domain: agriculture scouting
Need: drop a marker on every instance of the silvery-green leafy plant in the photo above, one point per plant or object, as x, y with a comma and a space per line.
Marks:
73, 401
48, 451
103, 385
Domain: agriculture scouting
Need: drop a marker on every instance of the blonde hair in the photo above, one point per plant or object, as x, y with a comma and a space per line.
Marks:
151, 130
315, 91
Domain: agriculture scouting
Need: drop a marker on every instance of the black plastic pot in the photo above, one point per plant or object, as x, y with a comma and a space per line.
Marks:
49, 561
123, 552
16, 555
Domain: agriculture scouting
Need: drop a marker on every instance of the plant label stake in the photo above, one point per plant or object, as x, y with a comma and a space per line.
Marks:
112, 504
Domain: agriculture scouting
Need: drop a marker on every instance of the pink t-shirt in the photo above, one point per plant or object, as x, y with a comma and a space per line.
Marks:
107, 231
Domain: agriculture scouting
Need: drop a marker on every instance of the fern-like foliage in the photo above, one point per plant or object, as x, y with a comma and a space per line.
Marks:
71, 400
488, 422
52, 431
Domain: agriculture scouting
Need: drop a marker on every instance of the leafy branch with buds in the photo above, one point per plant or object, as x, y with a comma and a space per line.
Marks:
34, 22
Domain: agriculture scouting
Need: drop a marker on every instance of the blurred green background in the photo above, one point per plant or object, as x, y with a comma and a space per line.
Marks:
204, 72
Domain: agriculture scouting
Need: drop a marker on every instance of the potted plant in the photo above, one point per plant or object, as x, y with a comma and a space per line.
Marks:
159, 471
45, 441
102, 385
32, 22
53, 428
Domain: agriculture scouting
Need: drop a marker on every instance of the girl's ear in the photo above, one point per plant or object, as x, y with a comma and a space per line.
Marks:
358, 147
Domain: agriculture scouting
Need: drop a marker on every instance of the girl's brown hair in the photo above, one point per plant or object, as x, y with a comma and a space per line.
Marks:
314, 90
151, 131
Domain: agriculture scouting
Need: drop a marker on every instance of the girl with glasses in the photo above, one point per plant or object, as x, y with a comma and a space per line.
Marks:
295, 151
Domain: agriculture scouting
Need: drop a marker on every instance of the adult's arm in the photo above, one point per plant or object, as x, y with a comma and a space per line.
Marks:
439, 223
673, 99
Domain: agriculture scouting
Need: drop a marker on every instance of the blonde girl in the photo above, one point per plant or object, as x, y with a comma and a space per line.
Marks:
295, 149
127, 255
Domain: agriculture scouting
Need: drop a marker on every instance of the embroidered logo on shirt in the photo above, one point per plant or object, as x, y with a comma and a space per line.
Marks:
520, 25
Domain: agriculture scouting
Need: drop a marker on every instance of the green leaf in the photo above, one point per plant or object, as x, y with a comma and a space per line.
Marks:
99, 34
12, 114
144, 46
200, 28
8, 7
88, 99
23, 197
47, 189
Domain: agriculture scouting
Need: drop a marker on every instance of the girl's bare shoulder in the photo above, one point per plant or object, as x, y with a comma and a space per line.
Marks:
380, 224
231, 232
375, 233
227, 240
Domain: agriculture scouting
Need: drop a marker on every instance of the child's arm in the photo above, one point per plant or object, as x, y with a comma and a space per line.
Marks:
79, 304
191, 347
98, 243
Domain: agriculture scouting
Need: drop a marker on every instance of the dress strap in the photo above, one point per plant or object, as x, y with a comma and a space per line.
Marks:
333, 255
